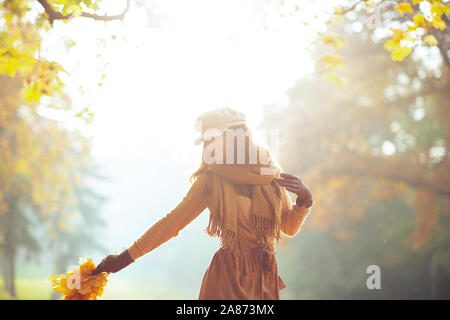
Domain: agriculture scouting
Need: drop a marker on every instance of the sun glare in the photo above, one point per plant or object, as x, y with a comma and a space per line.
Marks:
189, 58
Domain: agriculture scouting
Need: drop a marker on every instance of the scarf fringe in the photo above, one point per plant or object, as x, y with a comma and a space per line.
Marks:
227, 237
266, 228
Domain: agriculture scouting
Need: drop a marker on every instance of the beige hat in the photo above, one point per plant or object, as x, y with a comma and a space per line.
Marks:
214, 123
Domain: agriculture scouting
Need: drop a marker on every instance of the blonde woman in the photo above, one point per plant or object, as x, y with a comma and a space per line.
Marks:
249, 209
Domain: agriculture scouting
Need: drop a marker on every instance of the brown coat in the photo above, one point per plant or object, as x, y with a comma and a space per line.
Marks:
248, 271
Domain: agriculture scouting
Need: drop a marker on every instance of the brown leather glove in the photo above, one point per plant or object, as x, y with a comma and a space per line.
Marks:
296, 185
114, 263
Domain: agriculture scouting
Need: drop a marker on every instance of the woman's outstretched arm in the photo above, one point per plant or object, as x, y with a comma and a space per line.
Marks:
164, 229
168, 227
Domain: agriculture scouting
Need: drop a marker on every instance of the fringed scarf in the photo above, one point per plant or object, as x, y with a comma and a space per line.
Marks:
265, 205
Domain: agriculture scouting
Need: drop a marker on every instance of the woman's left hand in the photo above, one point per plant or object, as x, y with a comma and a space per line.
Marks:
114, 263
296, 185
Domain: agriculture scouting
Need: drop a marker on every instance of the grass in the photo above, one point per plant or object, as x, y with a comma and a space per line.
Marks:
39, 289
28, 289
32, 284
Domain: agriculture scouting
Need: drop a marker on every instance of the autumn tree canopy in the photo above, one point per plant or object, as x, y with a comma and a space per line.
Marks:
403, 27
383, 135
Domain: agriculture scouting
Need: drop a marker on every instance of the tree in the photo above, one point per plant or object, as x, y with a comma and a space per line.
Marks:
73, 232
373, 150
21, 36
34, 173
40, 158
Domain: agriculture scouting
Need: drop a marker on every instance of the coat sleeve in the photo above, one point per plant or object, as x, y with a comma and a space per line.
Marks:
292, 216
168, 227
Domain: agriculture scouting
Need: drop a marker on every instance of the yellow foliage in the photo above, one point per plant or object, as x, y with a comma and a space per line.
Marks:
9, 66
419, 19
332, 61
79, 284
73, 10
397, 34
404, 7
336, 41
338, 10
438, 9
431, 40
400, 53
22, 167
391, 44
423, 20
438, 23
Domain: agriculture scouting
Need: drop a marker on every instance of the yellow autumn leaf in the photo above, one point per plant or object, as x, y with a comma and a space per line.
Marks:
10, 67
399, 54
397, 34
338, 10
431, 40
439, 9
403, 7
419, 19
438, 23
31, 94
391, 44
74, 10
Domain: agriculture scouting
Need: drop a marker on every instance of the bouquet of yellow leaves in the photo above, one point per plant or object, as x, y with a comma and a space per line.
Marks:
80, 284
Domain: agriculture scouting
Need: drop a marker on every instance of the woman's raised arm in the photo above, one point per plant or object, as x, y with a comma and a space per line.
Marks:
293, 215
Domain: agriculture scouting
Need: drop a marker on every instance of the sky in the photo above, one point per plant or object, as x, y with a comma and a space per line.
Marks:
190, 58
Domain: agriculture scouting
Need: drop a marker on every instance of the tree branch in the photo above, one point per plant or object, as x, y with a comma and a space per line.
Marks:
56, 15
390, 170
351, 8
443, 47
414, 183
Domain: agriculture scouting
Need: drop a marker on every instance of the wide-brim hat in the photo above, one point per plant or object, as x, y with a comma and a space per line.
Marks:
214, 123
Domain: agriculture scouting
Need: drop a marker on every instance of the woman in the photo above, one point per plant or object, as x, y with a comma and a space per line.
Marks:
249, 209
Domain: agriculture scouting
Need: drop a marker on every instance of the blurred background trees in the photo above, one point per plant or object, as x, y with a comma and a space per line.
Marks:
45, 202
375, 154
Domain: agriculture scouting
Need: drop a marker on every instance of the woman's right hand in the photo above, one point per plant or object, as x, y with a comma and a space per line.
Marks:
295, 185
